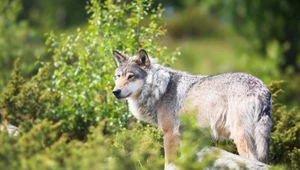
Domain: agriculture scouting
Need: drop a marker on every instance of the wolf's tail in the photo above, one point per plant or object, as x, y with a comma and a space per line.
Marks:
262, 129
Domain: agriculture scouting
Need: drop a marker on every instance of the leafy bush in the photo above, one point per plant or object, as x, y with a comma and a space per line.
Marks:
18, 40
42, 148
26, 101
285, 141
84, 66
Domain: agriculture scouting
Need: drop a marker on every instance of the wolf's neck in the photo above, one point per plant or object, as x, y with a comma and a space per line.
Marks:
144, 106
156, 84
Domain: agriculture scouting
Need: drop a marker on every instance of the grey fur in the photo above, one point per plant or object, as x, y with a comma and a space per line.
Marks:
234, 105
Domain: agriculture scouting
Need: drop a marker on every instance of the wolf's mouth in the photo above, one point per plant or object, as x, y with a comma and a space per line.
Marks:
123, 97
128, 95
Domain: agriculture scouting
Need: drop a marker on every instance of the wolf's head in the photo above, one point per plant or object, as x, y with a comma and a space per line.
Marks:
130, 74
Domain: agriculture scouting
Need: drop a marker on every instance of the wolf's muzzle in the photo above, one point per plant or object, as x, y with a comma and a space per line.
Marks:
117, 93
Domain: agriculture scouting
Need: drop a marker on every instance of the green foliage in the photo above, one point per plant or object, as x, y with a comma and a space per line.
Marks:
185, 24
18, 40
84, 66
251, 61
262, 22
26, 101
43, 148
24, 149
285, 142
54, 14
139, 148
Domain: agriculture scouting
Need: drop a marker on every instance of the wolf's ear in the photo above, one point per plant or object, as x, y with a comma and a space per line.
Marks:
119, 57
142, 59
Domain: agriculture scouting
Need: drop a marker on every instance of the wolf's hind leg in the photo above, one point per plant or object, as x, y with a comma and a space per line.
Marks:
245, 147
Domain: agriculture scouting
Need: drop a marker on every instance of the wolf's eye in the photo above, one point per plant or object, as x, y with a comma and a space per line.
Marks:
118, 75
130, 76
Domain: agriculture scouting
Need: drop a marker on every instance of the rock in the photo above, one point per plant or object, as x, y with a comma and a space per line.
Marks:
171, 166
227, 160
12, 130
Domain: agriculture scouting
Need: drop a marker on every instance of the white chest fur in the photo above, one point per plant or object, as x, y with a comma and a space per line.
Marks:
134, 108
141, 113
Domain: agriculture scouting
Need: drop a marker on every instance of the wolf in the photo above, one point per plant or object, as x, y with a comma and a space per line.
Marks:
233, 105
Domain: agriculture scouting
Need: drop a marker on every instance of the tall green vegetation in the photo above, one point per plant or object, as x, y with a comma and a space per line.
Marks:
84, 66
17, 40
285, 141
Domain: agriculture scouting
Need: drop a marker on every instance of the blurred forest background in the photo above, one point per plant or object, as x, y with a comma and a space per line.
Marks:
57, 72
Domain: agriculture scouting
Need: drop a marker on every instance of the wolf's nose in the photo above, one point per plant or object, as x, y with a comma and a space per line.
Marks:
117, 92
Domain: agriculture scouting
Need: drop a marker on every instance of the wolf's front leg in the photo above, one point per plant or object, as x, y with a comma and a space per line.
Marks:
169, 125
171, 141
